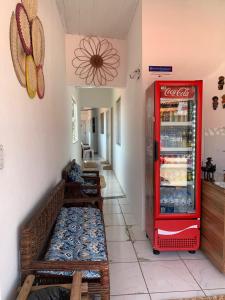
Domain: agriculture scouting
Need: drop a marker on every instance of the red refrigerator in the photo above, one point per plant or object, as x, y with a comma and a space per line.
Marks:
173, 165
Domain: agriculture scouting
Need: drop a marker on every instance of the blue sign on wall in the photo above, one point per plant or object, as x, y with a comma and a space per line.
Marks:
160, 69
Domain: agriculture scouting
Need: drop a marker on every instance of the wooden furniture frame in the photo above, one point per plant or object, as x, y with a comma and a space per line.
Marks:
34, 238
79, 290
213, 224
73, 190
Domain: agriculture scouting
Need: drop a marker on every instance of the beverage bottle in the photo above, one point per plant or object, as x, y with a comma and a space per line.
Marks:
182, 117
190, 110
173, 116
189, 137
184, 139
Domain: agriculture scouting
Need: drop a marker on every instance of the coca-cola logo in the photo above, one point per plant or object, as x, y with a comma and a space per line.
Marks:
177, 92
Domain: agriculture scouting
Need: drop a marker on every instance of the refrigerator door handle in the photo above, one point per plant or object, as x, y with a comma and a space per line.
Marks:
156, 150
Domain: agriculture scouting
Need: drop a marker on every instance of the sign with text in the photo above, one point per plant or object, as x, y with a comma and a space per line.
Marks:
161, 69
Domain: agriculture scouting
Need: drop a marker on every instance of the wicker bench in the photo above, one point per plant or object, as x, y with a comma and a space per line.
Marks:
36, 238
76, 189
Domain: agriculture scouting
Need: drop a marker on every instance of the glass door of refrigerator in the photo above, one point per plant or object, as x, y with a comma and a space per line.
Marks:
177, 149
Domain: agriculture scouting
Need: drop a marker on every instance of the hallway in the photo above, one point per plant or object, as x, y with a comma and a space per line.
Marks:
136, 273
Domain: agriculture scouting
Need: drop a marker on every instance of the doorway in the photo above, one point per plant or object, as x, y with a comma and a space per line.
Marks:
96, 131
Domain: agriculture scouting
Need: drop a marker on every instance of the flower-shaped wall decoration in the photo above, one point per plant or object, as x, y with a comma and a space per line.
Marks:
96, 61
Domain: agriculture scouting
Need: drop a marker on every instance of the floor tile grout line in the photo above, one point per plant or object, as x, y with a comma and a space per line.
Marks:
153, 293
192, 276
135, 251
141, 269
117, 295
136, 256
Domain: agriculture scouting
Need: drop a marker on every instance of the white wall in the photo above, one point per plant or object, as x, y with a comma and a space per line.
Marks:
35, 136
72, 42
128, 157
119, 151
102, 136
75, 147
95, 97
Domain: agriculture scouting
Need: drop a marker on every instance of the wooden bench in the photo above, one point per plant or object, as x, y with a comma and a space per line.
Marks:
74, 189
35, 236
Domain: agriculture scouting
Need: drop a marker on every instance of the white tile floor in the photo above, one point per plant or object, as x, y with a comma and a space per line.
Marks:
137, 274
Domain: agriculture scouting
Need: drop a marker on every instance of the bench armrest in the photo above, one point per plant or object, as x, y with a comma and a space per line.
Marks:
87, 171
68, 265
96, 180
73, 184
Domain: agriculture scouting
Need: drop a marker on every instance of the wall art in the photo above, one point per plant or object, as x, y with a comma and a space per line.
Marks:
96, 61
215, 101
223, 101
220, 82
27, 45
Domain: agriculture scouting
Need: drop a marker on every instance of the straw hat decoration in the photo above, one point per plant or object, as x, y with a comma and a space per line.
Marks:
27, 44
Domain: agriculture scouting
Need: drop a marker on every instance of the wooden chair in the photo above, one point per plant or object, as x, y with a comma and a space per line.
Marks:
79, 290
75, 190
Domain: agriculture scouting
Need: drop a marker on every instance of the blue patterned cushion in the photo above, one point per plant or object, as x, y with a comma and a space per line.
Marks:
77, 168
75, 176
78, 235
89, 191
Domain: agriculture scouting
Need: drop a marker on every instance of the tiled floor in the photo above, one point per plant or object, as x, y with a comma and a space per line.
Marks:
136, 273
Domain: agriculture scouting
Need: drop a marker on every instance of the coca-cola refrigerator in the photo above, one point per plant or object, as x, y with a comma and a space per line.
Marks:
173, 165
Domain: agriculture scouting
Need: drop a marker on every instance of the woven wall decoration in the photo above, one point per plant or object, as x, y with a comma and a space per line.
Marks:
96, 61
31, 7
38, 41
27, 44
31, 76
40, 82
18, 55
23, 26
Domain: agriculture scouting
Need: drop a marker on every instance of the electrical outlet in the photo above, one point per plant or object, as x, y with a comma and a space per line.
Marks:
1, 157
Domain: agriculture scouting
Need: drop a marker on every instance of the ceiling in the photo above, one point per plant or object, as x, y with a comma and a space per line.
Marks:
105, 18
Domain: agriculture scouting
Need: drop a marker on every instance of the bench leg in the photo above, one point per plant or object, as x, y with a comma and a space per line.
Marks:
100, 204
105, 284
105, 297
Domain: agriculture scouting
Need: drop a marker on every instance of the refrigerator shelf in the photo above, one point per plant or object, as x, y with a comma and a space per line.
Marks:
177, 184
176, 166
176, 123
177, 149
175, 100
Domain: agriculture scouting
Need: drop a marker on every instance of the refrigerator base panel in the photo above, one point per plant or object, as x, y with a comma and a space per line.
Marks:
175, 235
